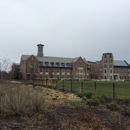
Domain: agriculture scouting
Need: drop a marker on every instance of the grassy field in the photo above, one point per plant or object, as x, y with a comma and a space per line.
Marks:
122, 88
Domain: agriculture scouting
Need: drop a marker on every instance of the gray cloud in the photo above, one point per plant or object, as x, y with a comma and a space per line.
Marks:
68, 28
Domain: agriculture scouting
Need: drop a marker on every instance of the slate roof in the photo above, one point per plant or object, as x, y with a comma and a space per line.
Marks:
120, 63
53, 61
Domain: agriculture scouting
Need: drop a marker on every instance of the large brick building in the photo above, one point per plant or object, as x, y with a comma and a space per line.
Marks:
109, 69
45, 67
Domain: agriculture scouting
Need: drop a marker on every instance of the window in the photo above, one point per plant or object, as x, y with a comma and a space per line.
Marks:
81, 71
63, 64
68, 76
68, 70
110, 60
68, 64
46, 76
46, 63
57, 63
40, 63
31, 69
111, 71
46, 70
52, 63
80, 65
105, 61
58, 76
40, 69
32, 63
62, 76
105, 71
57, 70
105, 66
110, 65
52, 70
63, 70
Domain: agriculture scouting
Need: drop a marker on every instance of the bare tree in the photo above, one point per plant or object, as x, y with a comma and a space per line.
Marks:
5, 67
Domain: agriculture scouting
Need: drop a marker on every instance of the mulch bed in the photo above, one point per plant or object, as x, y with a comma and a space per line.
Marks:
63, 118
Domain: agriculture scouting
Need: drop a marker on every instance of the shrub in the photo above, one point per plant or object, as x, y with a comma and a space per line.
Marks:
2, 99
93, 102
87, 95
100, 98
113, 106
84, 99
16, 99
75, 102
39, 103
125, 111
127, 101
80, 95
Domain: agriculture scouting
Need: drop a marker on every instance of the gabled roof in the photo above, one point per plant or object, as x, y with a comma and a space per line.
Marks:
25, 57
119, 63
63, 62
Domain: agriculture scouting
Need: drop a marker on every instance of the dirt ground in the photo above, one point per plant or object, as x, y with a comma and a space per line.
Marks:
67, 117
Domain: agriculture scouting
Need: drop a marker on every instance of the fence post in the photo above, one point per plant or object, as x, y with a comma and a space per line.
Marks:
56, 83
42, 82
71, 86
95, 87
63, 85
81, 86
113, 90
33, 83
46, 82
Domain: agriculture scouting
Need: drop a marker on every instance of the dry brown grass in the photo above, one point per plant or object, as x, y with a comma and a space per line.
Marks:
18, 99
86, 119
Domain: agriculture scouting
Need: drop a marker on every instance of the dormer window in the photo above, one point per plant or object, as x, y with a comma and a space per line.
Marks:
52, 63
63, 64
57, 63
46, 63
40, 63
68, 64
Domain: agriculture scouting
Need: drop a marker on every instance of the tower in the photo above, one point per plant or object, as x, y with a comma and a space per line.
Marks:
107, 66
40, 50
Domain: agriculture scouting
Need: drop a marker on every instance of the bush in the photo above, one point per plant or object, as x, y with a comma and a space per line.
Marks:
80, 95
75, 102
16, 100
84, 99
93, 102
2, 99
127, 101
113, 106
87, 95
39, 103
100, 98
125, 111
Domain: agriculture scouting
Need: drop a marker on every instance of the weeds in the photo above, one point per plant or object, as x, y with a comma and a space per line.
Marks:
17, 99
125, 111
39, 102
113, 106
76, 102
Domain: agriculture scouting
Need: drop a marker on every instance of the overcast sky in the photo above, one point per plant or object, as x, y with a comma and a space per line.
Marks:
67, 28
